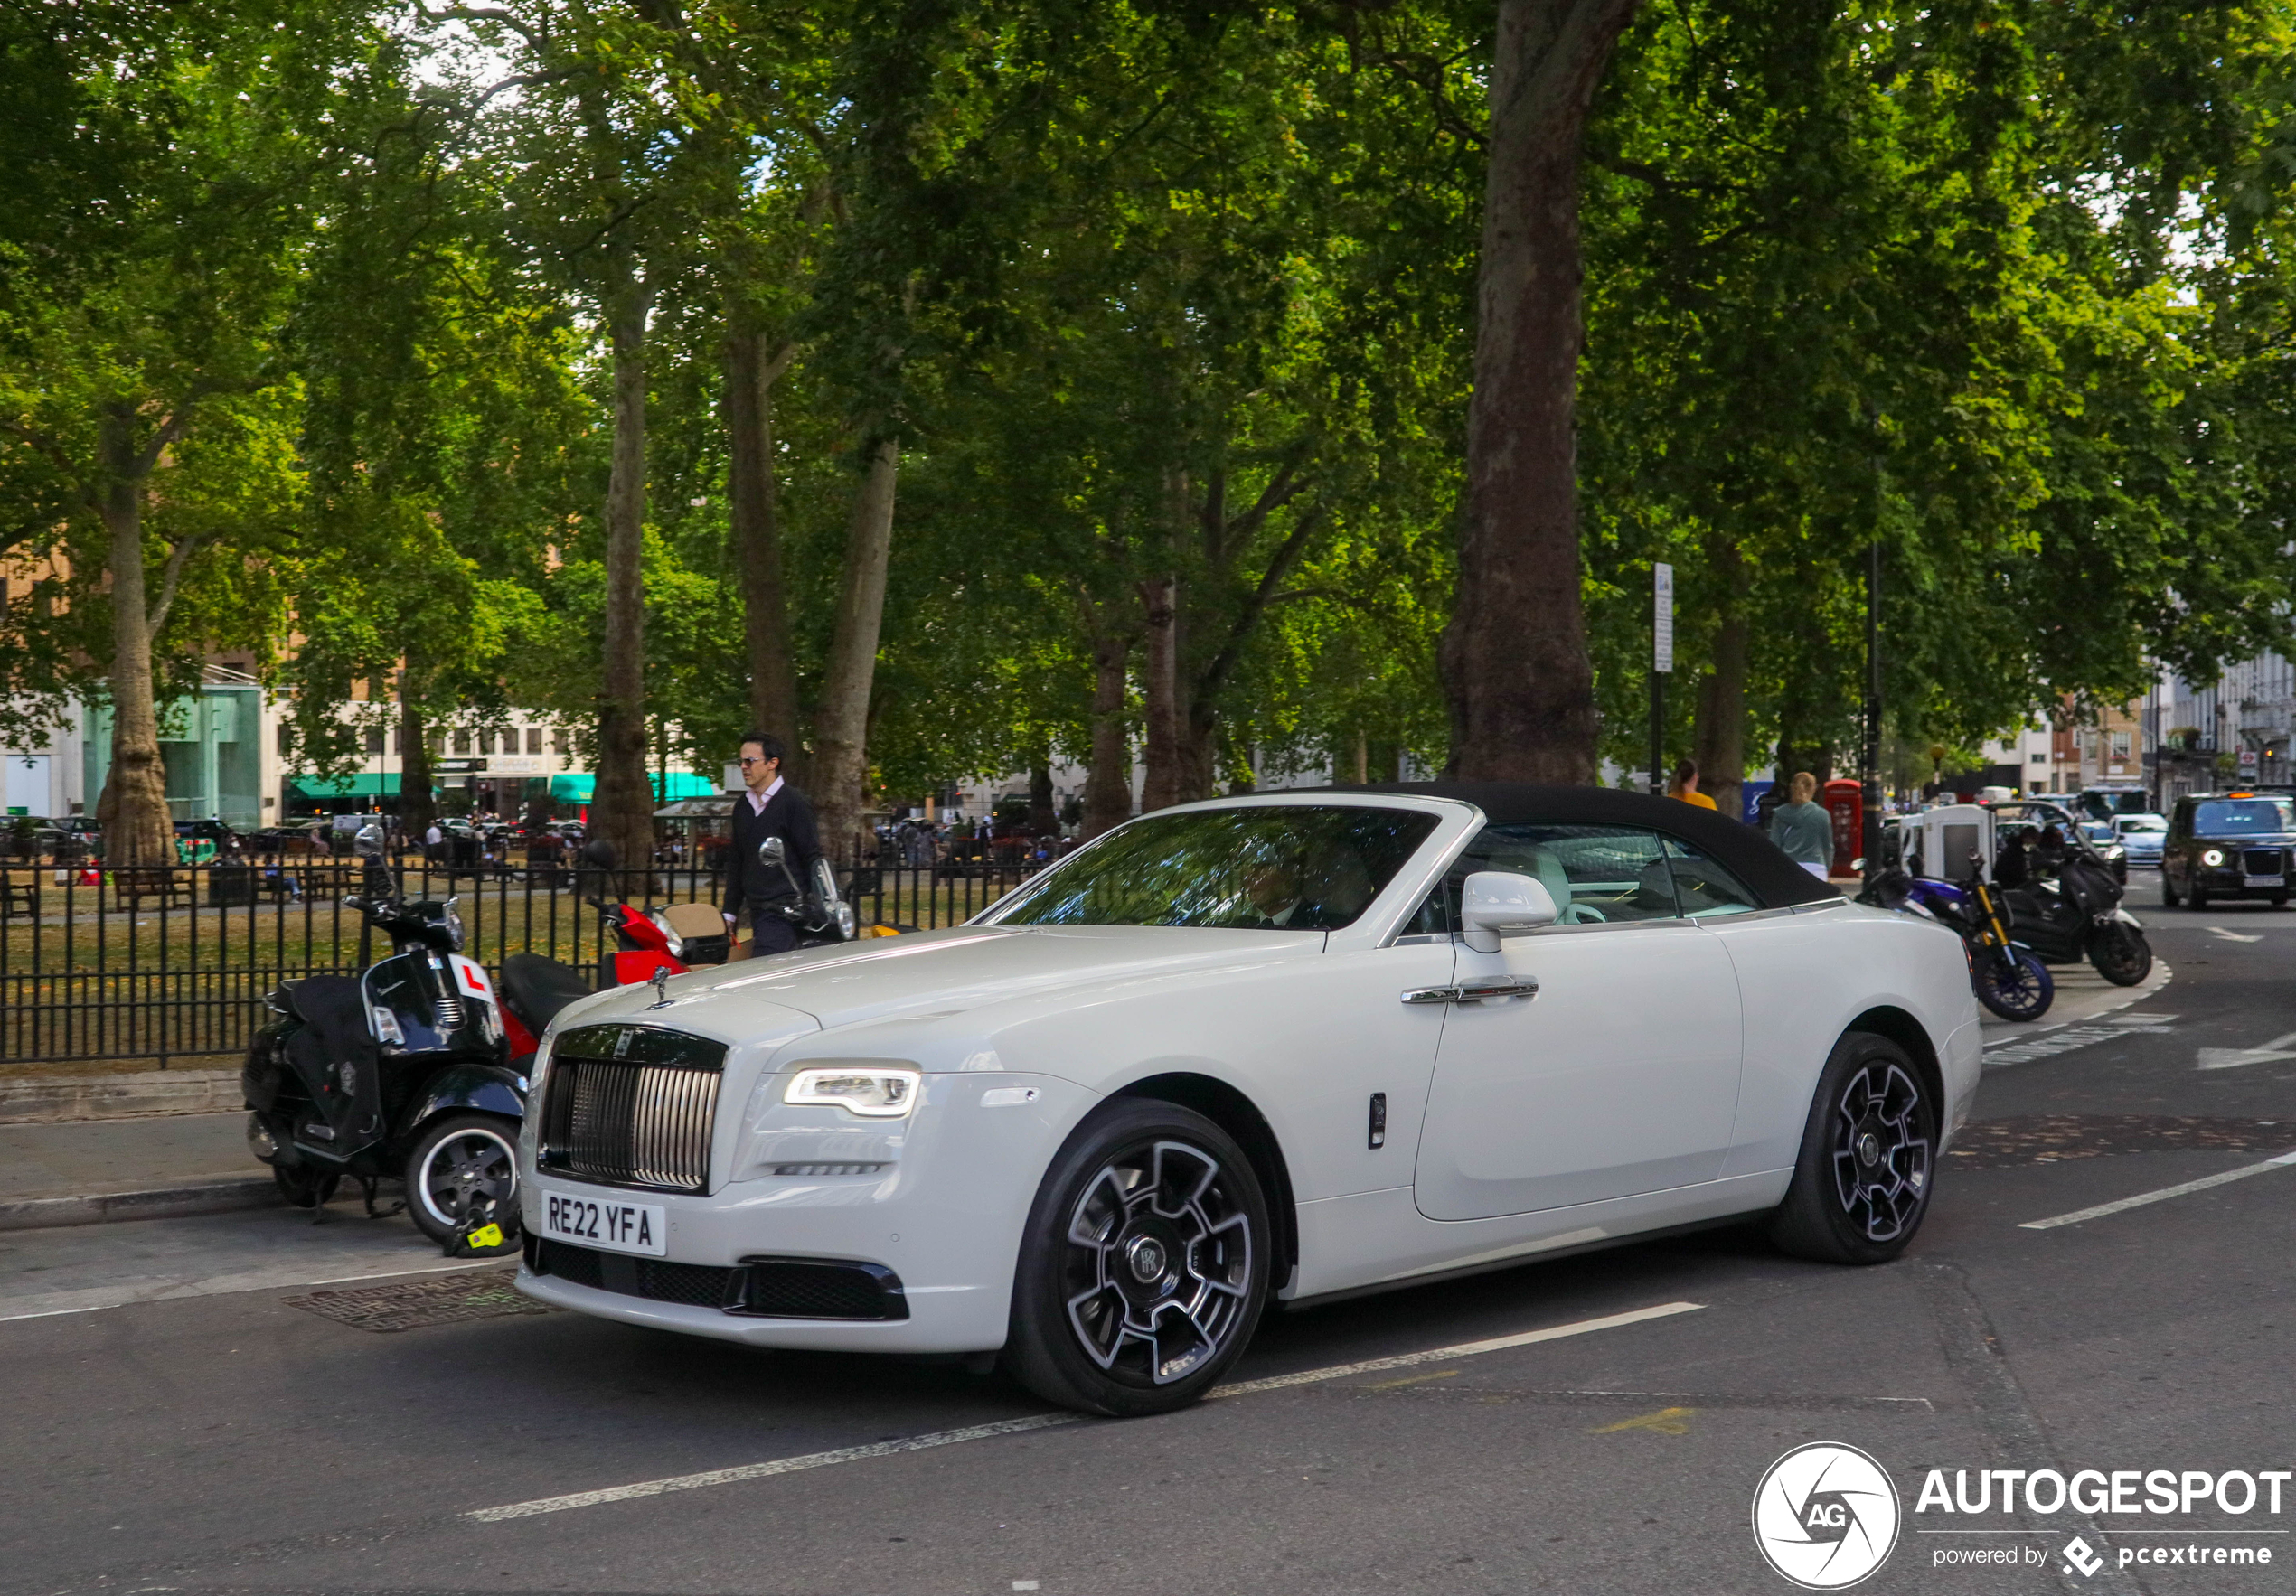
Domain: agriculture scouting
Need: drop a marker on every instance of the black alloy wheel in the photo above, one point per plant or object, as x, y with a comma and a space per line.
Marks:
2169, 898
1868, 1161
1144, 1270
464, 1168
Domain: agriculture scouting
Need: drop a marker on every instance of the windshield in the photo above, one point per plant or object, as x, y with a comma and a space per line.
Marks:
2233, 817
1293, 868
2143, 822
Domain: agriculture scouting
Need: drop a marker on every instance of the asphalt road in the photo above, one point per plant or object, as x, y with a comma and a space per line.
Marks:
207, 1433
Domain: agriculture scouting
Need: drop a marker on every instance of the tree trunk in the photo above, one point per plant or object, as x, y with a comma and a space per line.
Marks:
1721, 719
1720, 730
1514, 657
417, 810
133, 809
841, 729
622, 805
1160, 688
1107, 788
750, 373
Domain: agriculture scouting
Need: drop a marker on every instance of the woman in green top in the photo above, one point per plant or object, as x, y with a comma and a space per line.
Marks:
1803, 828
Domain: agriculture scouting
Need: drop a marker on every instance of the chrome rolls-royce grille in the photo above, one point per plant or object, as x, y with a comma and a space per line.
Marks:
631, 1105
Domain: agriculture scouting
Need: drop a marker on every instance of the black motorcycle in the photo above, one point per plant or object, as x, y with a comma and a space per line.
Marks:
403, 1071
2063, 898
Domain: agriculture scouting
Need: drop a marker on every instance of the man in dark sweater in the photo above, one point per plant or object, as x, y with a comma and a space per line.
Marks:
770, 807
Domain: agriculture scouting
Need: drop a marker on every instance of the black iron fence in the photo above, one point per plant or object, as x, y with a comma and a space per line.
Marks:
173, 963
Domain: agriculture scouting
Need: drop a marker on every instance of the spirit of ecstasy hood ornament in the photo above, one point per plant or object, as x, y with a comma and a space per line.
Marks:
660, 987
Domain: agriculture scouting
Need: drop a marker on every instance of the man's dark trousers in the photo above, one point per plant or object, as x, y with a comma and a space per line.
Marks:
770, 933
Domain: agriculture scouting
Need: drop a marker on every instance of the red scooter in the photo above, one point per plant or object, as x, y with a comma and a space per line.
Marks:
669, 939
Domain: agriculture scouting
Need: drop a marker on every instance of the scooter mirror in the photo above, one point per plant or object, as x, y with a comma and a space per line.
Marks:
772, 852
367, 843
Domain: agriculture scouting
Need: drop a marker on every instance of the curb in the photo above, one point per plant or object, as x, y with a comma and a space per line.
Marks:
209, 1196
52, 1099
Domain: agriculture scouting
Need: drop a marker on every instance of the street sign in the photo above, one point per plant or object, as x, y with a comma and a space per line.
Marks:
1662, 617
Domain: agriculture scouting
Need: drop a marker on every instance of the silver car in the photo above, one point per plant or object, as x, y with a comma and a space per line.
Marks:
2142, 835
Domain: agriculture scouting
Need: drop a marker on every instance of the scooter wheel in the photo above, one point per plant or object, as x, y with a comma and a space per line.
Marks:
304, 1186
464, 1166
2120, 955
2022, 992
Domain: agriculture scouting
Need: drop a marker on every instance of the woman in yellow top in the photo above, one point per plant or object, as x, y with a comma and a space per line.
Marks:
1685, 785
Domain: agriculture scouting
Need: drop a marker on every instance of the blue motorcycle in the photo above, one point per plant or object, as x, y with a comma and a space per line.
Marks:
2009, 977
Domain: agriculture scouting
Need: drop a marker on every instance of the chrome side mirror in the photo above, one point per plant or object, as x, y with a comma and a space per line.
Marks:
773, 850
1493, 901
367, 843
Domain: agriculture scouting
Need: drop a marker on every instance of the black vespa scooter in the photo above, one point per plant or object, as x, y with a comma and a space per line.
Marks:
404, 1070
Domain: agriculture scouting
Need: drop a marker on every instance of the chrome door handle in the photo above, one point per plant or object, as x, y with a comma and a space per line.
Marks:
1498, 986
1476, 991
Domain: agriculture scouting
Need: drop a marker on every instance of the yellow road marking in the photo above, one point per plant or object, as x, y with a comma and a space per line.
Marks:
1411, 1380
1666, 1422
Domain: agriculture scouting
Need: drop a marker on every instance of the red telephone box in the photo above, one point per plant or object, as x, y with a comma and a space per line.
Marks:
1845, 801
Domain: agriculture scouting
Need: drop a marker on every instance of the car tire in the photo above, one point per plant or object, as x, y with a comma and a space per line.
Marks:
2199, 895
1144, 1269
462, 1166
1868, 1161
2169, 898
2278, 901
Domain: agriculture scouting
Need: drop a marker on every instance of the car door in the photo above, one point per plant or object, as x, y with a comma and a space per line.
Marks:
1615, 1070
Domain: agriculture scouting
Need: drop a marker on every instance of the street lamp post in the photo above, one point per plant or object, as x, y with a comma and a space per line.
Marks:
1871, 842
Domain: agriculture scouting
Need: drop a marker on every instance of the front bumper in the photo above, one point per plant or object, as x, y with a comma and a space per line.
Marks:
945, 1216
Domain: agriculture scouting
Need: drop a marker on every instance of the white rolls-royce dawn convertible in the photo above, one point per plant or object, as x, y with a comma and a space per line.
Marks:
1275, 1047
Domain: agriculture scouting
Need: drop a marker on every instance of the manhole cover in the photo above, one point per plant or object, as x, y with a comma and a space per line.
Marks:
442, 1299
2041, 1138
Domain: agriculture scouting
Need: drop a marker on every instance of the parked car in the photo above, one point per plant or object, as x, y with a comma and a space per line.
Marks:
1285, 1046
2236, 844
2141, 836
2108, 847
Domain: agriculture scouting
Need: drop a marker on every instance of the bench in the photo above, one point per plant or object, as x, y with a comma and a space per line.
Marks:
19, 897
131, 886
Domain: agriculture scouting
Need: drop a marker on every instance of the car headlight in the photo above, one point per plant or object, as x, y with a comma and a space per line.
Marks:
869, 1091
2212, 858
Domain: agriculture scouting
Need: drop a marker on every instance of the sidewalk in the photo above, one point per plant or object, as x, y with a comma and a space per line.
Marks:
88, 1172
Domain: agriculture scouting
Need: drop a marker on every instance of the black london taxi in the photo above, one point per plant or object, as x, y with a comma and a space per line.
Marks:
2239, 844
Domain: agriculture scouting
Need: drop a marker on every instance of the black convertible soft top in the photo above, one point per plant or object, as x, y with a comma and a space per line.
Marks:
1745, 852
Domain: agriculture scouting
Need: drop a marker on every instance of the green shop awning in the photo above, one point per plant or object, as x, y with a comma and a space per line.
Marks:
355, 786
577, 789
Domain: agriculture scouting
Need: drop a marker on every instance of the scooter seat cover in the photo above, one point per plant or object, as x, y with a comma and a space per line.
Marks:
335, 1056
536, 988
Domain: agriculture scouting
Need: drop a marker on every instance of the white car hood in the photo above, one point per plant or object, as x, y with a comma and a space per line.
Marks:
948, 972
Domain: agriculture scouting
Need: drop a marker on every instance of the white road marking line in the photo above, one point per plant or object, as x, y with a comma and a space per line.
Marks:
852, 1454
2233, 935
2234, 1057
1464, 1349
2162, 1196
917, 1443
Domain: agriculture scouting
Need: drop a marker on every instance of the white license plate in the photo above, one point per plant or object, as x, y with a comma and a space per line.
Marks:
605, 1222
2261, 880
